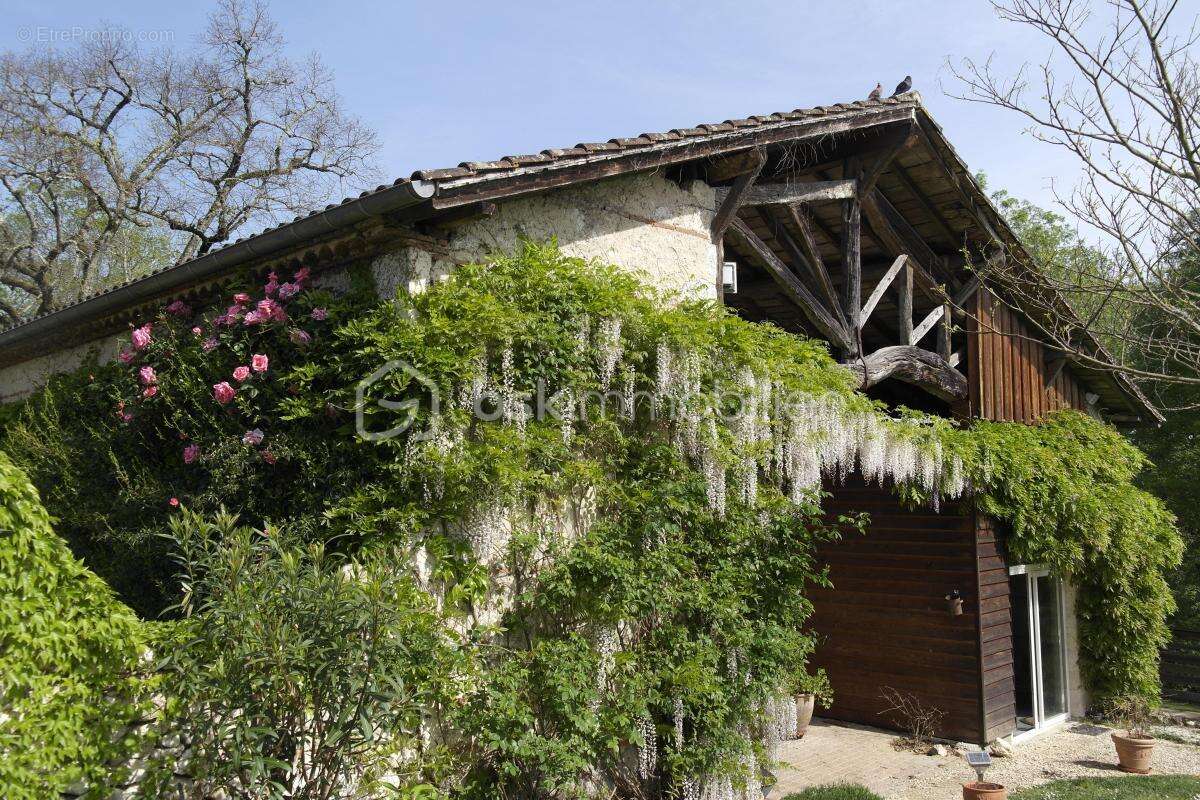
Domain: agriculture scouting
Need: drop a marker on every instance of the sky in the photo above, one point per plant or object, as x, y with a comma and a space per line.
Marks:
457, 81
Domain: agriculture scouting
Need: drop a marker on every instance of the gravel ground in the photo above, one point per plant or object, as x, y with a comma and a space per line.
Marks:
833, 753
1078, 750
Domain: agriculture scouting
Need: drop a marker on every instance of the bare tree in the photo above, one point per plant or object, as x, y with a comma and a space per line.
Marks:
114, 160
1120, 93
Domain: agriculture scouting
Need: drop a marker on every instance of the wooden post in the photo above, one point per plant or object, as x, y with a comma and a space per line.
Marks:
852, 256
944, 330
904, 304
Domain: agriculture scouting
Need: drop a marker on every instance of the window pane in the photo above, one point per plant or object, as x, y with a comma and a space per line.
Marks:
1054, 684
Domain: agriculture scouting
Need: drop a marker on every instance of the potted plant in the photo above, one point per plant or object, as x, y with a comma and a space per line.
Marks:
1135, 746
810, 689
982, 790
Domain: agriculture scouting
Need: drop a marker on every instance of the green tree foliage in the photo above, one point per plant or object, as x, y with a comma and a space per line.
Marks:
70, 684
1066, 489
295, 672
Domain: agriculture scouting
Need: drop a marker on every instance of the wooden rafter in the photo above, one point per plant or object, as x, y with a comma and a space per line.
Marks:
817, 314
732, 198
894, 244
768, 194
870, 175
927, 204
806, 252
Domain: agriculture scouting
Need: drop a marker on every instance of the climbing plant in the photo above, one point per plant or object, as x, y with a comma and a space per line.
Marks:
613, 495
71, 682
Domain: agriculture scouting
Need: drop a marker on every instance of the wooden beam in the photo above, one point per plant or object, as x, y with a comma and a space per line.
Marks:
852, 262
880, 288
768, 194
880, 165
904, 304
810, 257
945, 328
726, 168
1056, 360
927, 204
926, 324
964, 294
893, 243
915, 243
914, 366
792, 286
800, 218
735, 196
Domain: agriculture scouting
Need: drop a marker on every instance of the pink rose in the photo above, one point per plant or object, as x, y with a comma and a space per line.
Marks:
253, 437
149, 391
191, 453
141, 337
146, 376
301, 275
319, 314
210, 344
272, 284
241, 373
241, 298
223, 392
196, 331
259, 362
253, 318
269, 309
300, 337
268, 456
288, 290
125, 416
173, 502
127, 356
179, 309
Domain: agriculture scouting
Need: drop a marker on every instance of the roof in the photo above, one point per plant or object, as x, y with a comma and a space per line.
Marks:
428, 192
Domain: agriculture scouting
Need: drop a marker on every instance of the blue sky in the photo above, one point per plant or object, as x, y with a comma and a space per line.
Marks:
454, 81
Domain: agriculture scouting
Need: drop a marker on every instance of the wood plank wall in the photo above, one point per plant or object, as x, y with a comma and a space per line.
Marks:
1007, 368
1007, 371
886, 622
998, 699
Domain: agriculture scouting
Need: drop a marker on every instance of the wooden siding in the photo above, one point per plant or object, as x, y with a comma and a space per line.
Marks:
886, 622
996, 660
1007, 367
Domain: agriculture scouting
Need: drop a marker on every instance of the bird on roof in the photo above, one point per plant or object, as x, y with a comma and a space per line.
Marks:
876, 92
903, 86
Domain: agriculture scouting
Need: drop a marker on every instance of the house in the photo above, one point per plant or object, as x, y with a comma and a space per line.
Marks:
853, 223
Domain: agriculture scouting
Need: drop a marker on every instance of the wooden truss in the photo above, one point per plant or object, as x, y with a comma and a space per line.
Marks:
807, 283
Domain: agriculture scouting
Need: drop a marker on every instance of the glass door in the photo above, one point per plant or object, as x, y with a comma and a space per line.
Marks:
1039, 649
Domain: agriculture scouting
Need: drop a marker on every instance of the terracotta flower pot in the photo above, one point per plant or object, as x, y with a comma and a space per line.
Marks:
1134, 752
984, 791
804, 713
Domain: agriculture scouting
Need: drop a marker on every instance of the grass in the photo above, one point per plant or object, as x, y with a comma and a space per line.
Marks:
840, 791
1149, 787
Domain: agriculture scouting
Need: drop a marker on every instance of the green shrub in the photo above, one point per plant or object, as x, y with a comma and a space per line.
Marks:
69, 657
298, 673
840, 791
